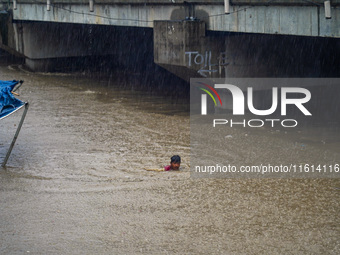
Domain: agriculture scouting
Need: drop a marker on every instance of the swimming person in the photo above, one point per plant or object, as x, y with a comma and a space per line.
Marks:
175, 163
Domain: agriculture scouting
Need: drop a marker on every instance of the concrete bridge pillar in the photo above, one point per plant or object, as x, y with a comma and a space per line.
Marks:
44, 43
184, 48
49, 46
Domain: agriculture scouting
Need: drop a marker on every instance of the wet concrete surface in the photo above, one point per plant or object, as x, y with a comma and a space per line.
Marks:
76, 184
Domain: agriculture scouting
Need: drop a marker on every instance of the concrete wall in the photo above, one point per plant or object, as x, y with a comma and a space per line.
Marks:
10, 35
184, 48
278, 17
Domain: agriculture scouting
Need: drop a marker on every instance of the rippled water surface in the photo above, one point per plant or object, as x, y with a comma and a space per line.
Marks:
76, 182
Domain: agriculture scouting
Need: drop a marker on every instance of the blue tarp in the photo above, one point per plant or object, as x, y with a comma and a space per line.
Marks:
8, 103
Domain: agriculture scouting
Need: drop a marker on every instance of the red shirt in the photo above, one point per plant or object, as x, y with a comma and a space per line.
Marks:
167, 168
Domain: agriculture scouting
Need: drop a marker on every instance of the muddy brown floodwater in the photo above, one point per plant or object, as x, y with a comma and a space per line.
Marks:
75, 182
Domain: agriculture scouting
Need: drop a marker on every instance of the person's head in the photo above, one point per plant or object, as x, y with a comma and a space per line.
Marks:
175, 162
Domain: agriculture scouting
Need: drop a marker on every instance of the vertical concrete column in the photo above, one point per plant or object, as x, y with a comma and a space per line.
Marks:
173, 38
182, 48
44, 43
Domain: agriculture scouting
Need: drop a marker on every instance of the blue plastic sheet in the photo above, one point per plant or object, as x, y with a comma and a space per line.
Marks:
8, 103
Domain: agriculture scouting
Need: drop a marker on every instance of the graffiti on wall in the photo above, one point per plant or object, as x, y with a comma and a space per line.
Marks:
205, 62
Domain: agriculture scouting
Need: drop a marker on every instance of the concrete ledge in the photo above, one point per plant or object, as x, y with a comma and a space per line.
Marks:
285, 20
181, 2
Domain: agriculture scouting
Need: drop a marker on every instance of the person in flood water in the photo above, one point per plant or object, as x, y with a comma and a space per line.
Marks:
175, 163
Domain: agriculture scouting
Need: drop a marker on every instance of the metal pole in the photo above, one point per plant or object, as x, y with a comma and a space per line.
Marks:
16, 135
18, 86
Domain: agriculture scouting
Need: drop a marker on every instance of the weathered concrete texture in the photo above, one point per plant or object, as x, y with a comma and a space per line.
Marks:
190, 52
182, 47
10, 35
267, 19
179, 2
287, 20
118, 15
174, 37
